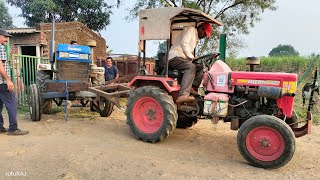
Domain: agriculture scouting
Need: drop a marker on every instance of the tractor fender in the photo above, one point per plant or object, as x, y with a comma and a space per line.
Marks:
169, 84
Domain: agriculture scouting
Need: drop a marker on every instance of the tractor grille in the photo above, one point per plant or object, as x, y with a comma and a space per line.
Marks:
72, 70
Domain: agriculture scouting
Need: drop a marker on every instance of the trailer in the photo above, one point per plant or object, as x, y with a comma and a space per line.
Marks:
70, 80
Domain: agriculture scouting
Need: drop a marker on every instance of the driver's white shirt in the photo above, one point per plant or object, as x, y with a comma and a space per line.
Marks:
185, 43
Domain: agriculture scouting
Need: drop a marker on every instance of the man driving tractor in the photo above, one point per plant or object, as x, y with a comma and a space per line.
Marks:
181, 57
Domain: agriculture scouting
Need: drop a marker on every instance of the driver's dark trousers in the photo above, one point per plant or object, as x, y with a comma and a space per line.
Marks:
192, 74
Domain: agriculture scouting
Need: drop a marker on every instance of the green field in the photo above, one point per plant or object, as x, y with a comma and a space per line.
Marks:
275, 64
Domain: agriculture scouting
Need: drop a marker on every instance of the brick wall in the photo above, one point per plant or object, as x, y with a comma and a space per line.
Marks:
23, 39
68, 31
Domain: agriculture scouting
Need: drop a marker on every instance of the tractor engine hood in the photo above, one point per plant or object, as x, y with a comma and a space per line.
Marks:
286, 81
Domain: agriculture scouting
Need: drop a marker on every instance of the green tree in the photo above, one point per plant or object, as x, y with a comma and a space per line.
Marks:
284, 50
5, 18
162, 47
95, 14
236, 15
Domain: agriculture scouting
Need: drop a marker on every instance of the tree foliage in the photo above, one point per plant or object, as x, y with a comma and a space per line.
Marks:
284, 50
5, 18
162, 47
238, 16
93, 13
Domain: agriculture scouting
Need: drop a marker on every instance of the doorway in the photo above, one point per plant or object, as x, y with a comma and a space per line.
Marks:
29, 50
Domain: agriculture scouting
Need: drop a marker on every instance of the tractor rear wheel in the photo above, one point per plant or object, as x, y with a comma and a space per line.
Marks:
151, 114
105, 107
45, 104
266, 141
34, 103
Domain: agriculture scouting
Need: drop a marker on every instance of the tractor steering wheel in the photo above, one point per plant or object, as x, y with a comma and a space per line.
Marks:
206, 60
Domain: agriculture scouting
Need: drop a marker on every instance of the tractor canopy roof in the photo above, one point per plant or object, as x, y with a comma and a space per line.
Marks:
156, 24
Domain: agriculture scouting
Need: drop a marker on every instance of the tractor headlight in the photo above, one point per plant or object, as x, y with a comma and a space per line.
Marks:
64, 54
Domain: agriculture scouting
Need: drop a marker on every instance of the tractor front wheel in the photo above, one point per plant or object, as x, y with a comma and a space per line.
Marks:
34, 103
266, 141
151, 114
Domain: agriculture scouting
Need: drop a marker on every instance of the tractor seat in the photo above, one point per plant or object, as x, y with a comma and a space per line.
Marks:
173, 73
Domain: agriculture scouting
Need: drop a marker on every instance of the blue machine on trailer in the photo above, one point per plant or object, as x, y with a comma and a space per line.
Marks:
68, 57
66, 52
69, 79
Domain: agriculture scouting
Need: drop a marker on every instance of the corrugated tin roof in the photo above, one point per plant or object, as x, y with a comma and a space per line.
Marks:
21, 30
155, 24
177, 14
186, 14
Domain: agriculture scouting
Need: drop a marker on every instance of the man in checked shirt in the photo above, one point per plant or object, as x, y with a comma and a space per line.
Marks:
7, 96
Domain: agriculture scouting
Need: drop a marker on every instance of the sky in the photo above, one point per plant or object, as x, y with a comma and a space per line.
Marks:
295, 23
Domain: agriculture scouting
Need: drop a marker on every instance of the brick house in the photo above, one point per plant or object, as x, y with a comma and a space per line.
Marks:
36, 41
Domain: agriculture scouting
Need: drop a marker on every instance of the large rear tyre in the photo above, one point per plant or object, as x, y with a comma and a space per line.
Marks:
151, 114
45, 104
34, 103
266, 141
105, 107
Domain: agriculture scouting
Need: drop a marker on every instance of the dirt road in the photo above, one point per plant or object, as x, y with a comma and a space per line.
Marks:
91, 147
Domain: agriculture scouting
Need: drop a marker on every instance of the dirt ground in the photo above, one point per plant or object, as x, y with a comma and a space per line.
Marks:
92, 147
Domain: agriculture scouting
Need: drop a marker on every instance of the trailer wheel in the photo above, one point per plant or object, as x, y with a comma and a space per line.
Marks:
185, 122
34, 103
105, 107
266, 141
45, 104
151, 114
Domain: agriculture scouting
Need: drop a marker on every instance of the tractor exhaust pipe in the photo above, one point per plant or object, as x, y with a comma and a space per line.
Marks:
269, 92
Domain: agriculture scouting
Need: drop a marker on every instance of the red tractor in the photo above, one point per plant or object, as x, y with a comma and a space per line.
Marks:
258, 104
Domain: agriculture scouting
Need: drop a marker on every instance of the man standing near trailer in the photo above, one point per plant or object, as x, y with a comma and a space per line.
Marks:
181, 57
111, 71
7, 96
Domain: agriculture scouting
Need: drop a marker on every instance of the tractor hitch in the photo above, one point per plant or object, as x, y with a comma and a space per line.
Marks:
306, 129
